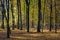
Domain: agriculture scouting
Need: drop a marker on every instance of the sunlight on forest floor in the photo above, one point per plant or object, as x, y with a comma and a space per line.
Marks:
32, 35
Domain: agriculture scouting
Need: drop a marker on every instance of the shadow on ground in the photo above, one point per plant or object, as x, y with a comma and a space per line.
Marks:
23, 35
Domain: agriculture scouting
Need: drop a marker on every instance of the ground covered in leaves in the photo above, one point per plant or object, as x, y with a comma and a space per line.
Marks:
32, 35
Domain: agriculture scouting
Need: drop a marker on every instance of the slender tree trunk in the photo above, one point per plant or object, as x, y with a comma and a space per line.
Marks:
8, 28
12, 16
55, 18
19, 14
39, 16
20, 17
24, 14
3, 13
33, 16
18, 4
51, 17
43, 14
27, 14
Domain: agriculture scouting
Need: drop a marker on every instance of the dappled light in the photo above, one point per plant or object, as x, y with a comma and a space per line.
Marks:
29, 19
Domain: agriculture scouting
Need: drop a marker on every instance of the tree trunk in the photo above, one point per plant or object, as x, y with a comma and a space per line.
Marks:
8, 28
27, 14
43, 15
19, 14
20, 17
51, 16
55, 18
39, 16
33, 16
12, 16
3, 13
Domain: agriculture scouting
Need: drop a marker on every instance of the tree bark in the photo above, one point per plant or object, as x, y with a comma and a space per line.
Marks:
55, 18
27, 14
39, 16
33, 16
19, 14
8, 28
3, 13
12, 16
51, 16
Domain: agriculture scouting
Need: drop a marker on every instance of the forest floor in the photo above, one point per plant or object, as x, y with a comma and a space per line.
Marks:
32, 35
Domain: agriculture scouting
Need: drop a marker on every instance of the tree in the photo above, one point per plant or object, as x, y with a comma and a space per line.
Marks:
27, 14
39, 16
3, 13
33, 16
44, 8
24, 13
55, 18
20, 17
19, 14
12, 15
51, 16
8, 28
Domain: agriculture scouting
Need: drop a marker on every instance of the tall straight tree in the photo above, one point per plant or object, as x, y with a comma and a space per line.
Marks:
55, 17
27, 14
3, 13
50, 16
33, 16
44, 8
12, 15
8, 28
24, 13
39, 16
19, 14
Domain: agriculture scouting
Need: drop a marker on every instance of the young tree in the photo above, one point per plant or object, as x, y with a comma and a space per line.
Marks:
27, 14
39, 16
8, 28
